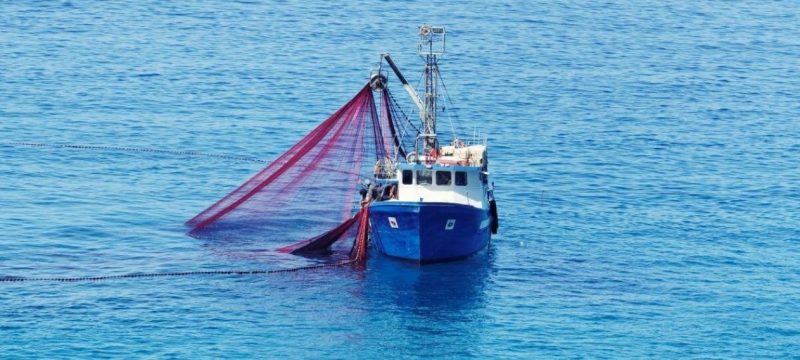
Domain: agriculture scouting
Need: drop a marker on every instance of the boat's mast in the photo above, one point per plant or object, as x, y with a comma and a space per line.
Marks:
431, 46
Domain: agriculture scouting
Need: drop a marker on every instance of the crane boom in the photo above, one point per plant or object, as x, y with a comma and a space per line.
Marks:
409, 89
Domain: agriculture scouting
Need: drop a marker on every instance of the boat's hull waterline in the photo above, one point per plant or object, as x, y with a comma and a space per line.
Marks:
428, 232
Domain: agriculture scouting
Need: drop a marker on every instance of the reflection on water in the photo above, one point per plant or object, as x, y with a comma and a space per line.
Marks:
443, 286
429, 295
416, 301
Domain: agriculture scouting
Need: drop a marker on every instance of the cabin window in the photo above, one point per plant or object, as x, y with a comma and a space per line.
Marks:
424, 177
461, 178
444, 178
408, 177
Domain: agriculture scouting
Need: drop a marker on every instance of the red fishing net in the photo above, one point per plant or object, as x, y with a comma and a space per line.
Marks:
310, 192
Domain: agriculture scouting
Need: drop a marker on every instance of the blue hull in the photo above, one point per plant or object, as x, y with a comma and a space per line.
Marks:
427, 232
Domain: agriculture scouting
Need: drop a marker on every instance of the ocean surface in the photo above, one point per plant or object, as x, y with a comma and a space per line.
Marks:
646, 157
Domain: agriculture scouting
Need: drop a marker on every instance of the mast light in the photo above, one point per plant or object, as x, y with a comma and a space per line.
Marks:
431, 40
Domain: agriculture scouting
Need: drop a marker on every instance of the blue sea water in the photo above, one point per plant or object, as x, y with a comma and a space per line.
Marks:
645, 156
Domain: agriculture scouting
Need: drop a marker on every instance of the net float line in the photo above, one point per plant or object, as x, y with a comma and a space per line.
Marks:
19, 279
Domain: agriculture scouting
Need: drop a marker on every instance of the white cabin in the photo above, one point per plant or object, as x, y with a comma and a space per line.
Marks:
441, 183
457, 176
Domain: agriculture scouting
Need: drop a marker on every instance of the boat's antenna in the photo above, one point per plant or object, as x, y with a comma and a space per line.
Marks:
431, 45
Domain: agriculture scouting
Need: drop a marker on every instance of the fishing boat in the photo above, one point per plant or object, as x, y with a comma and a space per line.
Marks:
421, 201
440, 204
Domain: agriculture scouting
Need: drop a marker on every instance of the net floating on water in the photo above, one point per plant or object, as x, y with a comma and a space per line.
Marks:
311, 189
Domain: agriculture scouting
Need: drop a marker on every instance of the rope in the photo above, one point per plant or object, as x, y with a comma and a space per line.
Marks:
16, 279
398, 113
398, 107
135, 149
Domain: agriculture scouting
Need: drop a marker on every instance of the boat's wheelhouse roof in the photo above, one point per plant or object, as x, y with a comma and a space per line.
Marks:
435, 166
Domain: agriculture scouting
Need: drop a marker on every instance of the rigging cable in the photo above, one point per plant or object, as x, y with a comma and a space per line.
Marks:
404, 125
452, 106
